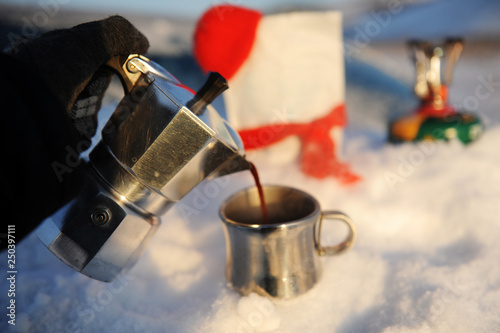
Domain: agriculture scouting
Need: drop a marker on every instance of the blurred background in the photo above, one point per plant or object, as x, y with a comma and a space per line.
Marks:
375, 32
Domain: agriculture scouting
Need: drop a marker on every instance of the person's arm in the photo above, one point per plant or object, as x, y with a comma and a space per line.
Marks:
51, 90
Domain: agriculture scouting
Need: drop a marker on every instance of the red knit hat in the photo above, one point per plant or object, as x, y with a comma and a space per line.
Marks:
224, 37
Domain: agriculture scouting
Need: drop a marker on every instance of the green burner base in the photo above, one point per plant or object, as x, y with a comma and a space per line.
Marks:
465, 127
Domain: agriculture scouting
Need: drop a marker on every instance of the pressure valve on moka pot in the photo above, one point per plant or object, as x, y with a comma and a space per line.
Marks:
161, 141
435, 118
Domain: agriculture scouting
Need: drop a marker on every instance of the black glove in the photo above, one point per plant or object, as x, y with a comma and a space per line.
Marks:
51, 90
71, 62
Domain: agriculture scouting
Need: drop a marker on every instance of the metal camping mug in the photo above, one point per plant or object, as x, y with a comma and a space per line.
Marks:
279, 258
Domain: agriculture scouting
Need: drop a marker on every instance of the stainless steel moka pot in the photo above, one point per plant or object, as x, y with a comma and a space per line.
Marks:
161, 141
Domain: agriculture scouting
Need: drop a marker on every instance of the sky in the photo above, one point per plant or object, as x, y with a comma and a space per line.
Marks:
191, 8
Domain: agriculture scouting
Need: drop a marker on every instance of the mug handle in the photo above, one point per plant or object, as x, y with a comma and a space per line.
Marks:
346, 244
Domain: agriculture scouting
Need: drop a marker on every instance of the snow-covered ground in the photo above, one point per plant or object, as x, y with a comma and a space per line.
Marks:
427, 214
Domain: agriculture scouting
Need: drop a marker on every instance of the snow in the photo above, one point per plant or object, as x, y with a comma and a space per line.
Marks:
426, 259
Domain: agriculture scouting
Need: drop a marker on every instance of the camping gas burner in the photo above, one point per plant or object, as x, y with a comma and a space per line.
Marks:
435, 118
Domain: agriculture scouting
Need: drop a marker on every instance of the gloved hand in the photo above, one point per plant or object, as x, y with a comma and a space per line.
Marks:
70, 61
51, 90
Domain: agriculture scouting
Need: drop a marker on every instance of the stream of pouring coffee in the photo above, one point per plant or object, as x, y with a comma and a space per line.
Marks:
263, 206
212, 88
